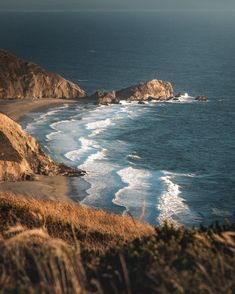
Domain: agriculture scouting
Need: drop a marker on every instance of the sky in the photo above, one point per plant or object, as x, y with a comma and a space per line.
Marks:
38, 5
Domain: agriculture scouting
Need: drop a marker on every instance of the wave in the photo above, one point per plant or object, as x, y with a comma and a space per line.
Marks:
134, 194
98, 176
184, 98
133, 157
173, 174
57, 124
98, 126
37, 121
51, 136
124, 102
86, 145
171, 205
99, 155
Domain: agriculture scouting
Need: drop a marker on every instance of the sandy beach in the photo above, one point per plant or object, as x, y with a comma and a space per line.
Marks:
16, 109
44, 187
53, 188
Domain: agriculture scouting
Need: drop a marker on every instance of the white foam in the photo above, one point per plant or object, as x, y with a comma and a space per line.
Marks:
86, 145
171, 205
135, 192
100, 124
98, 175
99, 155
133, 156
124, 102
64, 106
188, 175
185, 98
56, 125
51, 136
130, 111
43, 118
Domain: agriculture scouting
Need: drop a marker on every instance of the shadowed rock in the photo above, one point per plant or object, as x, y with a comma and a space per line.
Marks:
178, 95
21, 79
201, 98
21, 157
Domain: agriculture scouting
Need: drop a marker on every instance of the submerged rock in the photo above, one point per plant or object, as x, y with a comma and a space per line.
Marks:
145, 91
201, 98
21, 79
21, 157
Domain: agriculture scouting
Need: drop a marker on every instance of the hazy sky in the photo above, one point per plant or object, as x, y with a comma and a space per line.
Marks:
115, 4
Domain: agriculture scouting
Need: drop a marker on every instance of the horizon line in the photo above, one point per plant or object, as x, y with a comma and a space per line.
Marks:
117, 10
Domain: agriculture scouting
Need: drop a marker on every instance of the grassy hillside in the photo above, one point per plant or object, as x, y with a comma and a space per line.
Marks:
50, 247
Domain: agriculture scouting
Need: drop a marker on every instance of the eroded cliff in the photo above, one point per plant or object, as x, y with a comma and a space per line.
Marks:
21, 157
21, 79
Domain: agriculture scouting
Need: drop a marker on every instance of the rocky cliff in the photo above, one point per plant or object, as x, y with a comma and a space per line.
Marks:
22, 79
150, 90
21, 156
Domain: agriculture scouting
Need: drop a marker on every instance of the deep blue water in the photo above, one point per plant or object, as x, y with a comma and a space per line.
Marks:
168, 160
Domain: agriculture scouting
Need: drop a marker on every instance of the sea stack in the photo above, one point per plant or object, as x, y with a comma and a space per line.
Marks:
150, 90
21, 79
21, 157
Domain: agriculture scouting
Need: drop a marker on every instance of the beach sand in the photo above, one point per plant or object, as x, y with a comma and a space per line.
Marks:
16, 109
44, 187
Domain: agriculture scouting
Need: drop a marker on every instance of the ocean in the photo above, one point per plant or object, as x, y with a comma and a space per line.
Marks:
155, 161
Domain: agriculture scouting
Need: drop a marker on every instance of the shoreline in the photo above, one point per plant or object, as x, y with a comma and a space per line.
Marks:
17, 109
43, 187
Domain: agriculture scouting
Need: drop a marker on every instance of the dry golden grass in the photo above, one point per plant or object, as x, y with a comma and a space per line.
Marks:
36, 263
95, 229
50, 247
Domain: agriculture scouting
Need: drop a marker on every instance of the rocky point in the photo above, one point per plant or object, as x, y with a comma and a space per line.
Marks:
22, 79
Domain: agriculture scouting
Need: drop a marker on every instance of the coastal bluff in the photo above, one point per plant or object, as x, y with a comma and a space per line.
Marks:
144, 91
21, 79
21, 157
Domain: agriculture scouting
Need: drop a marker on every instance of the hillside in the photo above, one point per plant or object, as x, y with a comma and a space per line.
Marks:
21, 157
22, 79
51, 247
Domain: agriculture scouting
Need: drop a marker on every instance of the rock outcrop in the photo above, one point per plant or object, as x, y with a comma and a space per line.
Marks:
150, 90
178, 95
21, 157
21, 79
201, 98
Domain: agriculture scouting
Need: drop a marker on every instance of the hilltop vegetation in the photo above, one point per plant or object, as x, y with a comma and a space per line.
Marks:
52, 247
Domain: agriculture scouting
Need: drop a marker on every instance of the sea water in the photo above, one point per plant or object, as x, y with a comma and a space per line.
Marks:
154, 161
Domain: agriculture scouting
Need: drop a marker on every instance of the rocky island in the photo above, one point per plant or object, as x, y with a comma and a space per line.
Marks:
144, 91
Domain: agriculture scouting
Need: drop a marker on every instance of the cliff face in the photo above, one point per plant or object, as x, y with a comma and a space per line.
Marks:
21, 79
150, 90
21, 156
